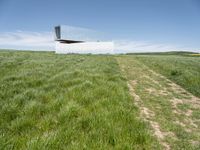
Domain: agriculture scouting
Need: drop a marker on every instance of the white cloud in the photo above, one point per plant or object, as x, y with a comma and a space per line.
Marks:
128, 46
27, 40
44, 41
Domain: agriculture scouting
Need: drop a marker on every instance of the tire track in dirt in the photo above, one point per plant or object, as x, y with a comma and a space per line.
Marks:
168, 90
147, 115
191, 100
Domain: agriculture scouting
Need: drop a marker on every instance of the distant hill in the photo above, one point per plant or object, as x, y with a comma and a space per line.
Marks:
164, 53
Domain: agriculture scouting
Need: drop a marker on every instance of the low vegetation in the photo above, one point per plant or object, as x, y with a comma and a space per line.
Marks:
50, 101
171, 111
182, 69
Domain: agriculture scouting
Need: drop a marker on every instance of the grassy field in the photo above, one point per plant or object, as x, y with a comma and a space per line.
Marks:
50, 101
171, 111
182, 69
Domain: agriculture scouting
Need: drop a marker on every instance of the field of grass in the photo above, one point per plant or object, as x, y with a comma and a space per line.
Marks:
172, 112
50, 101
182, 69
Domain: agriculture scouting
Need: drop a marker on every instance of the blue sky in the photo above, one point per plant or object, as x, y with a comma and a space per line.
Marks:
135, 25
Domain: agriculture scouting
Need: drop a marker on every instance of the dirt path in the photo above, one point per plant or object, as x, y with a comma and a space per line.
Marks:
147, 115
170, 110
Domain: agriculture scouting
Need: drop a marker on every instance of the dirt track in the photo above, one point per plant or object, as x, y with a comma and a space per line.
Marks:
164, 105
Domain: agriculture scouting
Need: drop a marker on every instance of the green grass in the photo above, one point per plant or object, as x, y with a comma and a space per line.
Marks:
50, 101
184, 70
180, 128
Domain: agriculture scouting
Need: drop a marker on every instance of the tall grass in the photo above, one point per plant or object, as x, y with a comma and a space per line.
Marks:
50, 101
